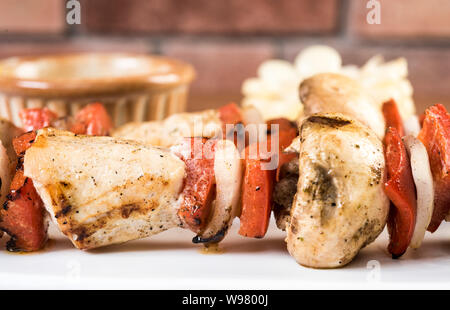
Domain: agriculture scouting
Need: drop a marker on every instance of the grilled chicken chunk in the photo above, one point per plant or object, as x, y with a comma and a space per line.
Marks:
101, 190
330, 92
168, 132
340, 205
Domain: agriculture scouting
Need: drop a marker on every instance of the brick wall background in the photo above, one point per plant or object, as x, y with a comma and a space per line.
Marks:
227, 39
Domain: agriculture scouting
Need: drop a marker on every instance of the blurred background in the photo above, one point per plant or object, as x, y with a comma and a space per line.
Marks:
226, 40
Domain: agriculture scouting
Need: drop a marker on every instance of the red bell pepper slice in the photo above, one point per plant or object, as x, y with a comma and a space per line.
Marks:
400, 189
287, 132
92, 120
22, 216
257, 191
435, 135
199, 188
37, 118
230, 114
392, 117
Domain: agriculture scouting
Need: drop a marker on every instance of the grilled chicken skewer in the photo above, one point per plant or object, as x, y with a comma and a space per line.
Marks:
102, 191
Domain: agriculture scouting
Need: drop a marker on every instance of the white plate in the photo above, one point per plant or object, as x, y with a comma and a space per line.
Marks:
171, 261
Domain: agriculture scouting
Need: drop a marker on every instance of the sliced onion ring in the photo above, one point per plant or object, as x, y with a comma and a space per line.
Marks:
420, 166
412, 126
228, 173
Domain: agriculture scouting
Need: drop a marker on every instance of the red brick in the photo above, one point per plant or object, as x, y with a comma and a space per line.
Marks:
206, 16
77, 45
221, 66
429, 68
31, 16
403, 18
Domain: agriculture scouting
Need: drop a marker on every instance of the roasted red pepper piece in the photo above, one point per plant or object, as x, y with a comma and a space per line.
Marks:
230, 114
23, 142
393, 117
22, 216
257, 190
92, 120
435, 135
199, 188
34, 119
287, 131
400, 189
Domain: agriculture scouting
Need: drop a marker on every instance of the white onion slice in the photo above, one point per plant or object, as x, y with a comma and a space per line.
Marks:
228, 173
412, 126
423, 179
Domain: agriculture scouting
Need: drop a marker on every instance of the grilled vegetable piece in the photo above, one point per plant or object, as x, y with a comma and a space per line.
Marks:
257, 191
225, 207
230, 114
100, 190
401, 191
286, 133
340, 205
392, 117
36, 118
23, 142
435, 135
92, 120
330, 92
22, 216
423, 180
199, 189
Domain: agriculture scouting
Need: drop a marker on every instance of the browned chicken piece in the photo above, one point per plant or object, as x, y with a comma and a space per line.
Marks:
330, 92
169, 131
102, 190
339, 206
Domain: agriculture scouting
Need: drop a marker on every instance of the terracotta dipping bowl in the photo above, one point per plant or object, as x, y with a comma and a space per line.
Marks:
133, 87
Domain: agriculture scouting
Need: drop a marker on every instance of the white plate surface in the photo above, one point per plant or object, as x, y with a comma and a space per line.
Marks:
171, 261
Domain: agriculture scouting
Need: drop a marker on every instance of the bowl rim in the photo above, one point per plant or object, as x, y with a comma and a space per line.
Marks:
180, 73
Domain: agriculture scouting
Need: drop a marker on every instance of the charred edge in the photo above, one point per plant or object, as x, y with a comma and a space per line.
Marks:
128, 209
329, 121
11, 245
64, 211
214, 239
197, 221
397, 256
6, 203
64, 184
19, 165
81, 233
